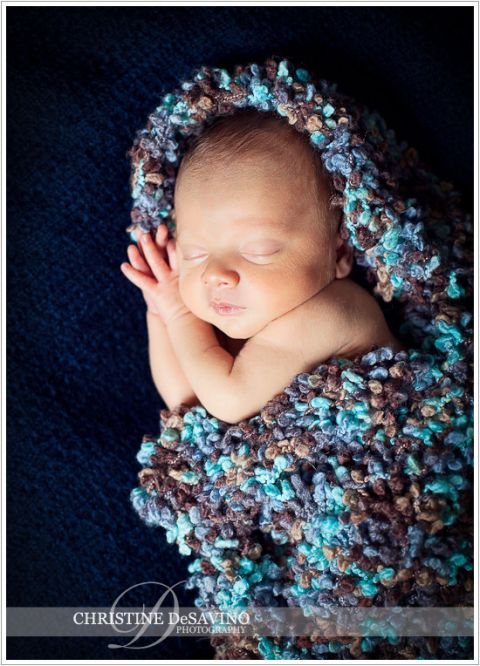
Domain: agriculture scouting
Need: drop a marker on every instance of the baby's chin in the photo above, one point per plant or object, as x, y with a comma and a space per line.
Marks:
235, 327
233, 335
235, 330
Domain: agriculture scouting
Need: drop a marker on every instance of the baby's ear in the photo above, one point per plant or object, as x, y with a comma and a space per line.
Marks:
344, 258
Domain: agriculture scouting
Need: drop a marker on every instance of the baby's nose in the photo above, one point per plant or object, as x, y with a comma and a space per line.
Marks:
218, 275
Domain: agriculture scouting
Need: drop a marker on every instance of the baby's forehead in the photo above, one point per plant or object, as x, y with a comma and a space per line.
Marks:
236, 224
275, 167
274, 162
260, 138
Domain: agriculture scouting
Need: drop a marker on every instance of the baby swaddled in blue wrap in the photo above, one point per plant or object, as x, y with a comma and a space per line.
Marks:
348, 482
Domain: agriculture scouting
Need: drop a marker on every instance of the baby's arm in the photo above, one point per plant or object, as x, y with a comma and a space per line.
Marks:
167, 374
205, 363
235, 389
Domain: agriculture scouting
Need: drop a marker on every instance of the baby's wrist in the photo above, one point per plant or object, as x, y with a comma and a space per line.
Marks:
154, 314
177, 316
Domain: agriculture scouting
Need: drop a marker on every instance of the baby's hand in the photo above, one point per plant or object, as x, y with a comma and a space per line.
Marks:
137, 259
150, 272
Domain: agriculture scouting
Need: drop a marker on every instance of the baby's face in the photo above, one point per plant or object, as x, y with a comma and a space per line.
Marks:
250, 239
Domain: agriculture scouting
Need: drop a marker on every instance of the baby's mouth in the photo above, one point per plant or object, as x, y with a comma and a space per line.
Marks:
224, 308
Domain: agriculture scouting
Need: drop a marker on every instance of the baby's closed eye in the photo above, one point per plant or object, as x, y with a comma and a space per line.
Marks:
258, 257
255, 255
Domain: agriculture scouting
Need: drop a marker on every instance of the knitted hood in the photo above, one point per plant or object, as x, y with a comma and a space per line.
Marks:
411, 240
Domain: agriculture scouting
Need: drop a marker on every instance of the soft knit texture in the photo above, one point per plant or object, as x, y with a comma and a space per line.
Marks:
353, 485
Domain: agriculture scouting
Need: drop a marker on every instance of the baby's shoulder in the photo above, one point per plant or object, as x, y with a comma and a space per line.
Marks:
333, 305
341, 318
356, 316
345, 299
311, 327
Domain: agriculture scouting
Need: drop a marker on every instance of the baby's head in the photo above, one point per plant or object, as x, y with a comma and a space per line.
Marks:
254, 223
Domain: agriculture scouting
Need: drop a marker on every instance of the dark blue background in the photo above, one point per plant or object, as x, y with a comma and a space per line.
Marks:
81, 81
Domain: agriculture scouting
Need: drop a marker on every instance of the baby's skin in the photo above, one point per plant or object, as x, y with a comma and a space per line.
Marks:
254, 288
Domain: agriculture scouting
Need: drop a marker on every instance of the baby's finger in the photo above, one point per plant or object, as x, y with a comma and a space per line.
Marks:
137, 234
154, 257
139, 279
137, 260
161, 236
172, 255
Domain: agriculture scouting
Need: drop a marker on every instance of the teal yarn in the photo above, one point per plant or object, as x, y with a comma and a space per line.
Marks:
352, 487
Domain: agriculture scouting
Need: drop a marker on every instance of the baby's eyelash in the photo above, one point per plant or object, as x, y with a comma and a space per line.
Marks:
265, 253
250, 254
258, 254
251, 257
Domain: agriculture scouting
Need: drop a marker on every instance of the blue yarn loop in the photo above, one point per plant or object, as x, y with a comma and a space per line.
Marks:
353, 485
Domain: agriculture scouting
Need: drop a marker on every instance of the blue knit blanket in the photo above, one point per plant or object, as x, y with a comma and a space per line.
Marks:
353, 486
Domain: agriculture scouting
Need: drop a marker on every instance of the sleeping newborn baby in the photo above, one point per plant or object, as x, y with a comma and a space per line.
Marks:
254, 287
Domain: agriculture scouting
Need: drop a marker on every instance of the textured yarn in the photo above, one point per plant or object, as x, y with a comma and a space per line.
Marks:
353, 486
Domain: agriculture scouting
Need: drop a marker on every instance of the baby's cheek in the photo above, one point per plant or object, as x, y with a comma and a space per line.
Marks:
281, 290
301, 281
189, 293
319, 268
299, 272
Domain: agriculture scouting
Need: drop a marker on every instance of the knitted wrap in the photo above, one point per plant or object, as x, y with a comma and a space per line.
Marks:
353, 486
